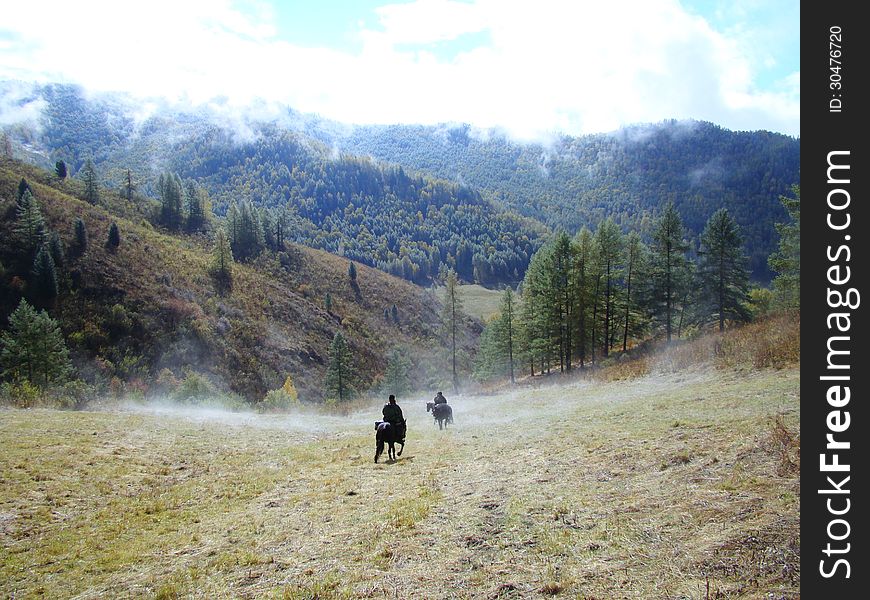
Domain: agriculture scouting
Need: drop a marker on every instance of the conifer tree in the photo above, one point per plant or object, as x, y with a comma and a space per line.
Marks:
81, 237
451, 319
786, 261
113, 240
33, 348
508, 318
195, 208
92, 187
44, 274
129, 187
609, 239
222, 263
635, 270
339, 374
351, 271
60, 169
669, 250
328, 302
171, 194
55, 247
722, 270
29, 226
23, 187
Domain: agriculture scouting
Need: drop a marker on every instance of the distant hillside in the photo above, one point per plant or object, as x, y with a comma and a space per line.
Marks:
151, 305
400, 222
449, 194
628, 174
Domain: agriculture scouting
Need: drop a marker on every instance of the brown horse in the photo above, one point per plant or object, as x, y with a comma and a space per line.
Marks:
390, 434
442, 412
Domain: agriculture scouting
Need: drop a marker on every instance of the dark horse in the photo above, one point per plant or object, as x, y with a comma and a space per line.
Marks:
391, 434
442, 412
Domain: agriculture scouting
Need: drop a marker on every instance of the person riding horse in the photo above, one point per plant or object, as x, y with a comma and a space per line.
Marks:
439, 398
391, 430
393, 415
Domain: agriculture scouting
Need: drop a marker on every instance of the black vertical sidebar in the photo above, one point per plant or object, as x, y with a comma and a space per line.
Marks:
834, 368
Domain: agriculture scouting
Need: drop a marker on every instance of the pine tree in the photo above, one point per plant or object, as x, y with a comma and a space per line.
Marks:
80, 234
33, 349
351, 272
44, 288
113, 240
786, 261
394, 314
328, 302
451, 319
23, 187
92, 188
609, 239
60, 169
55, 247
508, 334
29, 226
722, 271
222, 263
669, 249
339, 374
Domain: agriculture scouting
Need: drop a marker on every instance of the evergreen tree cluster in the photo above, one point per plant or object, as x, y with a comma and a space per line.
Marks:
599, 292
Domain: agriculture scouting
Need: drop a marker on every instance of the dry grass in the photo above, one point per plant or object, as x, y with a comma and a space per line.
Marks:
653, 488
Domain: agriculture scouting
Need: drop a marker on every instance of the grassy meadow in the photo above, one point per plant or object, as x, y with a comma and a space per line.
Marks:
670, 485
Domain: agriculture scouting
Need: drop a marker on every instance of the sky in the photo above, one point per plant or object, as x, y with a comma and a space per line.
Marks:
529, 68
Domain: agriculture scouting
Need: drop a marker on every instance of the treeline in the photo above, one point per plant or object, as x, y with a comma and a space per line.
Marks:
587, 296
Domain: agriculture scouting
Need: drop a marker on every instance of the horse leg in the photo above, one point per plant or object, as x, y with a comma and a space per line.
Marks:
401, 447
379, 450
392, 451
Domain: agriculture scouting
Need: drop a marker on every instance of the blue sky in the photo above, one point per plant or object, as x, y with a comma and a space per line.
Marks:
530, 68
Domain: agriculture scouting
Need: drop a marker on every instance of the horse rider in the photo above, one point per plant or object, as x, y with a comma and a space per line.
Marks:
440, 399
393, 413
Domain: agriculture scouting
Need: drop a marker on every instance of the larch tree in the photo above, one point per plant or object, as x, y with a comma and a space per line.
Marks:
451, 320
222, 263
91, 181
669, 259
339, 373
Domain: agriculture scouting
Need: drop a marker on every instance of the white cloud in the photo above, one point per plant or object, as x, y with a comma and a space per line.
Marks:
577, 67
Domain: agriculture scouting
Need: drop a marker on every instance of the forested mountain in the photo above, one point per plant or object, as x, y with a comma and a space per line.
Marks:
447, 195
141, 312
406, 224
628, 175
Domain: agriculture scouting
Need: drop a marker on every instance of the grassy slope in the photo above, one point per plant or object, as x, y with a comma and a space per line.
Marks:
651, 488
274, 324
477, 301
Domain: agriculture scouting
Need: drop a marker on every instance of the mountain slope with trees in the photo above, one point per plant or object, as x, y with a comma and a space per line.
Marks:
450, 195
628, 175
142, 310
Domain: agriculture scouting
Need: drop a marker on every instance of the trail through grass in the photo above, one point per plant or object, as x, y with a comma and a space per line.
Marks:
653, 488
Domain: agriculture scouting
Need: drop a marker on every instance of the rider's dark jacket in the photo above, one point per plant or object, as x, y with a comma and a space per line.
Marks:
393, 414
440, 399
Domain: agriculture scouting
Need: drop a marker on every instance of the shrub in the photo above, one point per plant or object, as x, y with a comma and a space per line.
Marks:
22, 394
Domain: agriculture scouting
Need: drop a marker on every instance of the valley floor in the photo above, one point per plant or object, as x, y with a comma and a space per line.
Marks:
670, 486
